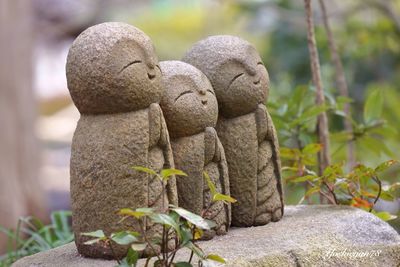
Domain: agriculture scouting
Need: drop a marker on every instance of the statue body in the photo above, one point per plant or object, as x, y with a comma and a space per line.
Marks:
115, 82
191, 112
246, 131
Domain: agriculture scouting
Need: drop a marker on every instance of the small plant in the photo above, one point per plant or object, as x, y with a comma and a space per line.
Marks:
32, 236
180, 229
361, 187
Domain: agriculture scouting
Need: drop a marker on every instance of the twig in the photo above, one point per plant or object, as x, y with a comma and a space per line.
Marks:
376, 179
323, 193
341, 84
113, 252
331, 191
147, 240
322, 120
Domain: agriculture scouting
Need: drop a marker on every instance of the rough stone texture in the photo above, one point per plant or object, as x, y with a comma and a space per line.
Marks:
111, 60
191, 112
115, 83
305, 236
246, 131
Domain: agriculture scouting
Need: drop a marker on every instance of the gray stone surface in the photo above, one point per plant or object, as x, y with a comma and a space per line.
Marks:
115, 81
306, 236
246, 131
191, 110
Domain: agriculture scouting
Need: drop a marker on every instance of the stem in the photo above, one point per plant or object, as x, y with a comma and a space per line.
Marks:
163, 195
322, 120
113, 252
147, 240
203, 214
17, 236
177, 247
164, 240
323, 193
193, 231
331, 191
376, 179
191, 256
147, 262
341, 84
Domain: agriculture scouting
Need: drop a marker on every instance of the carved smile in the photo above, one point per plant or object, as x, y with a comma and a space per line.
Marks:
257, 82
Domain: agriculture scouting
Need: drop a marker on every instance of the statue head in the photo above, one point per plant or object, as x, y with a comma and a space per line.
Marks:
112, 67
235, 70
189, 103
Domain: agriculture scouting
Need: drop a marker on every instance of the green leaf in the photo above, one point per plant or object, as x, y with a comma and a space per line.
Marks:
194, 218
210, 184
289, 153
138, 246
303, 179
132, 257
312, 149
124, 237
384, 215
144, 169
138, 213
344, 99
386, 196
92, 241
310, 113
312, 190
165, 219
198, 233
183, 264
216, 258
98, 234
196, 250
385, 165
166, 173
373, 106
225, 198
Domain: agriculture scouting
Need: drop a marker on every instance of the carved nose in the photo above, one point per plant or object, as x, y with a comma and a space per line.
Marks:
204, 101
151, 75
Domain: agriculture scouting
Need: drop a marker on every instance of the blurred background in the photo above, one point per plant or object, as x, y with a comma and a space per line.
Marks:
37, 117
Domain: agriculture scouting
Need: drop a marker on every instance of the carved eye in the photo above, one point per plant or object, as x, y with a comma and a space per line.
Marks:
209, 90
159, 68
129, 64
260, 63
183, 93
234, 78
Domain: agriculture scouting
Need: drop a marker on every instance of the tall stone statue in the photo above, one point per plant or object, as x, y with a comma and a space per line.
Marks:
191, 112
245, 128
115, 82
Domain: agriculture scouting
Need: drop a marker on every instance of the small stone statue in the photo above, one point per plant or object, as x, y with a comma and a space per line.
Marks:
115, 82
245, 128
191, 111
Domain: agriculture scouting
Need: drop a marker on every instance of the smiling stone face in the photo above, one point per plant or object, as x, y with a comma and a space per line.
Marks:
112, 67
235, 70
189, 103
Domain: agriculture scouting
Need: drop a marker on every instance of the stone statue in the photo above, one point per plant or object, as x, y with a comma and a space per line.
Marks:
191, 111
115, 82
245, 128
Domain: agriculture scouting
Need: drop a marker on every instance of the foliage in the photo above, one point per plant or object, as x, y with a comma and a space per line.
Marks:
180, 229
361, 186
32, 236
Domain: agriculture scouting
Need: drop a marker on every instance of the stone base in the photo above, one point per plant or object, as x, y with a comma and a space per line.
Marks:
306, 236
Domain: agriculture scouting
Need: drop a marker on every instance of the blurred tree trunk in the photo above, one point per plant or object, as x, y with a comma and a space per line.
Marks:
322, 121
20, 193
341, 84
